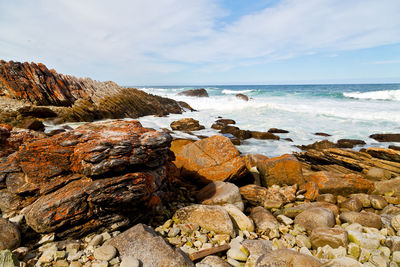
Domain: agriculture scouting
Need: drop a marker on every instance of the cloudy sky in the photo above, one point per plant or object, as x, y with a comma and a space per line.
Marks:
136, 42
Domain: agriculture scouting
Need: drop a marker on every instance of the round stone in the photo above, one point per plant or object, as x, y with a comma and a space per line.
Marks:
105, 253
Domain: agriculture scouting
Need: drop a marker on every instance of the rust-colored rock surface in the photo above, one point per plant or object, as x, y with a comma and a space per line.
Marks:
281, 170
211, 159
186, 124
338, 184
94, 176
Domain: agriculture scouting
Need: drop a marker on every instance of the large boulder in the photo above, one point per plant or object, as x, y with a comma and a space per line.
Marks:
211, 159
116, 165
143, 243
342, 184
282, 170
220, 193
195, 92
186, 124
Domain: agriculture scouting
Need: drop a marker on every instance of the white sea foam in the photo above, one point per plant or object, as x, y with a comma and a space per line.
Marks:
233, 92
376, 95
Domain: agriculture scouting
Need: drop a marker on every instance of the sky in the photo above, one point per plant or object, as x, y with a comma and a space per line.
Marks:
200, 42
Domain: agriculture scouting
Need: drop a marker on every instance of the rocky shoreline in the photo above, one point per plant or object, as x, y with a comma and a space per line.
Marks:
113, 193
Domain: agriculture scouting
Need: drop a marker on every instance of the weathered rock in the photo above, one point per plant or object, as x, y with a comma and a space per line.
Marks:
333, 183
312, 191
111, 165
105, 253
7, 259
378, 202
195, 92
388, 186
211, 159
330, 198
366, 219
272, 197
287, 258
256, 248
351, 204
212, 218
239, 219
334, 237
142, 243
315, 218
343, 261
363, 198
220, 193
33, 124
242, 96
319, 145
282, 170
225, 121
186, 124
395, 222
10, 237
384, 153
263, 220
276, 130
386, 137
264, 135
378, 174
9, 203
235, 131
294, 211
322, 134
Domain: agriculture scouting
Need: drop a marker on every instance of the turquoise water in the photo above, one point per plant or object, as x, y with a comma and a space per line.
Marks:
344, 111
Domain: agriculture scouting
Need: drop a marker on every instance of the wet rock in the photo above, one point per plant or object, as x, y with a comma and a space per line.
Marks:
281, 170
366, 219
333, 183
322, 134
242, 96
195, 92
263, 219
220, 193
235, 131
386, 137
212, 218
264, 135
34, 124
349, 143
334, 237
211, 159
186, 124
276, 130
10, 237
315, 218
287, 258
142, 243
319, 145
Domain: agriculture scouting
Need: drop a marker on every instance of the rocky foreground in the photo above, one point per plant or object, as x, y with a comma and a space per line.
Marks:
117, 194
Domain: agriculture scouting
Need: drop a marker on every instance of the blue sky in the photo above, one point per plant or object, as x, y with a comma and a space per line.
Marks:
207, 41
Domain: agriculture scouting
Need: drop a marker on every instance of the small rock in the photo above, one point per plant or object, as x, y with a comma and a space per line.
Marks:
363, 198
378, 174
263, 219
75, 264
220, 193
334, 237
395, 222
303, 241
214, 261
105, 253
239, 218
366, 219
343, 262
330, 198
351, 204
284, 219
315, 218
7, 259
61, 263
365, 240
96, 240
174, 231
287, 257
10, 237
237, 251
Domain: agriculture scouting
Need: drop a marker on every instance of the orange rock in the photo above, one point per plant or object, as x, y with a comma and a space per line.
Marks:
282, 170
342, 184
211, 159
312, 191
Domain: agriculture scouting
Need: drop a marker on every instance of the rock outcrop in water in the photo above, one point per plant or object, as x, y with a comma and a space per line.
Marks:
95, 176
23, 86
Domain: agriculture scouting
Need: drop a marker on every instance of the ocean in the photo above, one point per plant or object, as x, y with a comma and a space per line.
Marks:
344, 111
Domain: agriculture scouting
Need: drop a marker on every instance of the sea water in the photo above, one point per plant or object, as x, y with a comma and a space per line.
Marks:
344, 111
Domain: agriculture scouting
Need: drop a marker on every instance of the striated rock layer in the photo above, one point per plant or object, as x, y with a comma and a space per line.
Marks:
98, 175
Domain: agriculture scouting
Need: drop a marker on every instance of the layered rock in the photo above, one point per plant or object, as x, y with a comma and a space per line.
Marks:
91, 177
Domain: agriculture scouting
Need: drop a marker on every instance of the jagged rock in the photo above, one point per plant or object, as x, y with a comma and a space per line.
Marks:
334, 183
264, 135
276, 130
211, 159
195, 92
394, 147
212, 218
272, 197
334, 237
110, 165
386, 137
315, 218
242, 96
143, 243
367, 219
220, 193
384, 153
10, 237
37, 112
281, 170
287, 258
319, 145
186, 124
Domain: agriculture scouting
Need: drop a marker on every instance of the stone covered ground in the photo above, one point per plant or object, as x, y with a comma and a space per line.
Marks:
117, 194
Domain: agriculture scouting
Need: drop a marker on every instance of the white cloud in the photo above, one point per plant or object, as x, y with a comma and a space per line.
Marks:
126, 39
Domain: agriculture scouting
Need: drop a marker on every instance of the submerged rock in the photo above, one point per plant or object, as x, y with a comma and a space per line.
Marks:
195, 92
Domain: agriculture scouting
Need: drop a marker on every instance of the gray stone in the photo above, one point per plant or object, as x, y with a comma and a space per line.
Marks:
315, 218
366, 219
10, 237
105, 253
143, 243
129, 261
220, 193
96, 240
